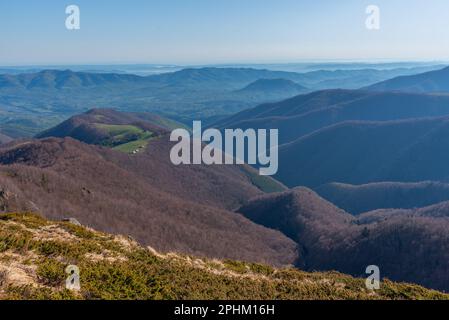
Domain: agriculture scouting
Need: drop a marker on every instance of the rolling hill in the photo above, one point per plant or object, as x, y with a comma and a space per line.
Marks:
116, 268
407, 246
237, 182
35, 101
357, 199
432, 81
127, 132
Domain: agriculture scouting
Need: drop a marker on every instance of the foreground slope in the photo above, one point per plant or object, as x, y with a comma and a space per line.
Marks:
407, 245
66, 178
35, 252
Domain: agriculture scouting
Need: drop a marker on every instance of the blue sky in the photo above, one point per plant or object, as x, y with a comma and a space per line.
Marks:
220, 31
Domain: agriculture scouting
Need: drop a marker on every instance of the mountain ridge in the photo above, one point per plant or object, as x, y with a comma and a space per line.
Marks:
273, 85
432, 81
307, 113
358, 199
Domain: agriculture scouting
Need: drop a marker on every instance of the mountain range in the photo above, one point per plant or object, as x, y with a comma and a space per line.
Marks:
199, 94
33, 102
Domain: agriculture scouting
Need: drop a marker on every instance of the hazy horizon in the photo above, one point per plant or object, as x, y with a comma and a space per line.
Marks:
213, 33
235, 63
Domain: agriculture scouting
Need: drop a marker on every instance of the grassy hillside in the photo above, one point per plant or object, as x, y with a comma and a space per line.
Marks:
125, 138
35, 252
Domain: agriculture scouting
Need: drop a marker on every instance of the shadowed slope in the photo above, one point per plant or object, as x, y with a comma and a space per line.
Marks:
305, 114
363, 152
357, 199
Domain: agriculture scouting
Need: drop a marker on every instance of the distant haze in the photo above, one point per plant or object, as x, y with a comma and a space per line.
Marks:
211, 32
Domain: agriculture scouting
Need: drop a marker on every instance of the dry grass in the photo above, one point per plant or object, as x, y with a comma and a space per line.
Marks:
118, 268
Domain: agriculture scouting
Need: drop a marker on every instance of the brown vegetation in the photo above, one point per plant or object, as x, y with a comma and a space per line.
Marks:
112, 267
407, 245
65, 178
